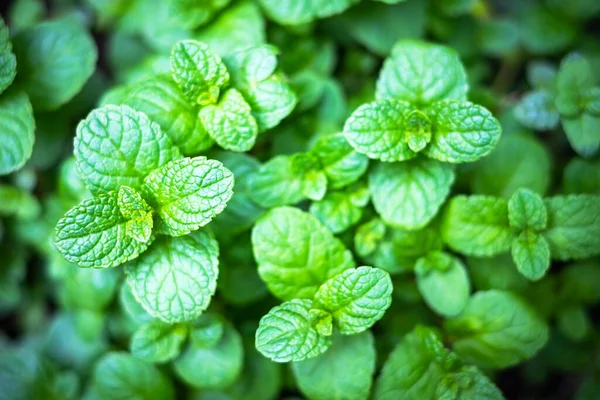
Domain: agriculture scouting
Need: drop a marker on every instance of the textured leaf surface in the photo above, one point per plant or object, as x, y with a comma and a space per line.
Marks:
526, 210
357, 298
16, 130
573, 226
286, 333
462, 132
477, 225
8, 62
188, 193
340, 162
55, 59
93, 234
119, 146
340, 210
230, 122
444, 283
295, 253
377, 130
198, 71
344, 371
536, 110
496, 330
157, 342
212, 368
422, 73
294, 12
531, 254
176, 278
467, 383
409, 194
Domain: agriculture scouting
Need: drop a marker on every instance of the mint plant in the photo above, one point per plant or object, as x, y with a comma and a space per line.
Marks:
327, 200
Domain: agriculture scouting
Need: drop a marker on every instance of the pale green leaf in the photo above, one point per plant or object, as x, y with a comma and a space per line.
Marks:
422, 73
357, 298
295, 12
130, 202
339, 211
531, 254
287, 333
582, 132
176, 278
157, 342
536, 110
230, 122
526, 210
581, 176
207, 330
296, 254
8, 62
188, 193
93, 234
119, 146
408, 195
444, 283
339, 161
16, 131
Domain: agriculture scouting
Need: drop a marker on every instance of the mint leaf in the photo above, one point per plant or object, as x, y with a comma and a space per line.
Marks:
254, 74
17, 126
582, 134
339, 161
94, 234
287, 333
581, 176
212, 368
408, 195
531, 254
377, 129
192, 14
119, 146
161, 100
8, 62
119, 375
519, 161
368, 237
573, 230
422, 73
467, 383
296, 254
496, 330
295, 12
131, 204
477, 225
340, 210
230, 122
536, 110
55, 59
207, 330
176, 278
198, 71
357, 298
188, 193
526, 210
462, 131
444, 283
157, 342
345, 369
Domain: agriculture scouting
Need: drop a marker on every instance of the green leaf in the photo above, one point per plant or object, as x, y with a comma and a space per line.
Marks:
55, 59
94, 234
581, 176
536, 110
287, 333
477, 225
543, 32
230, 122
467, 383
198, 71
519, 161
541, 74
296, 254
422, 73
295, 12
357, 298
574, 78
582, 132
497, 330
408, 195
574, 323
444, 283
207, 330
573, 230
176, 278
212, 368
119, 146
121, 376
192, 14
16, 129
369, 236
531, 254
161, 100
339, 211
463, 131
377, 129
157, 342
344, 371
254, 74
526, 210
188, 193
137, 212
339, 161
417, 130
8, 62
